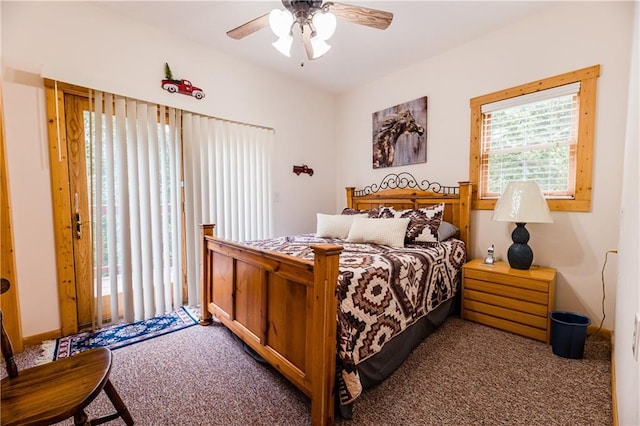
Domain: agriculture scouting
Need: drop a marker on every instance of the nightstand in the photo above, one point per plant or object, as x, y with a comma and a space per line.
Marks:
518, 301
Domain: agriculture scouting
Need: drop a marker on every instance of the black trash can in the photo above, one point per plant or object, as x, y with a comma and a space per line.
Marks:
568, 333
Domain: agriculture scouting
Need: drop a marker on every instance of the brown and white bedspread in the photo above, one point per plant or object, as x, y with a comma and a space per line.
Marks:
381, 291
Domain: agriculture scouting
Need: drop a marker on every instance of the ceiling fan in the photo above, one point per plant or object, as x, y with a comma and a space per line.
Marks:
316, 20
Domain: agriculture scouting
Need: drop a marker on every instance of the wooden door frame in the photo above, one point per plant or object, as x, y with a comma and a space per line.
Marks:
61, 198
68, 169
9, 300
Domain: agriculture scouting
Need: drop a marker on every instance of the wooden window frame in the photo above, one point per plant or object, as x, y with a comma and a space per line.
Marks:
586, 123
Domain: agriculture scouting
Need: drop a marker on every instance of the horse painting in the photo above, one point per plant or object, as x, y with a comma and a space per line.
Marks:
392, 127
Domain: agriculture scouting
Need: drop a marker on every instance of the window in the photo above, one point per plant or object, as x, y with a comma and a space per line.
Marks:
541, 131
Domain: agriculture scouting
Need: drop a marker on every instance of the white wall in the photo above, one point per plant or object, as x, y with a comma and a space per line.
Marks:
563, 38
628, 287
32, 221
57, 39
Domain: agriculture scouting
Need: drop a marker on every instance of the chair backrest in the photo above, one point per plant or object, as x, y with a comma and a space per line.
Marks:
7, 351
5, 342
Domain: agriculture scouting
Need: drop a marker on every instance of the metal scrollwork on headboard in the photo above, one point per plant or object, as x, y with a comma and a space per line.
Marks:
406, 180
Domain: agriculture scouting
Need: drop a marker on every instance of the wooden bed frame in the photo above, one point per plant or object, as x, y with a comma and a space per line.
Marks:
285, 308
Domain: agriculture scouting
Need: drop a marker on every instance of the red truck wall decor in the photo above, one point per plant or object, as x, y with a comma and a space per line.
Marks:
303, 169
181, 86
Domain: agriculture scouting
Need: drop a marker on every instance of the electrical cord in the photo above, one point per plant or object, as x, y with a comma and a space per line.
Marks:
604, 265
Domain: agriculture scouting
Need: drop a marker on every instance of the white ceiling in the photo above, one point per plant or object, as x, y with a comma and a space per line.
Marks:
420, 29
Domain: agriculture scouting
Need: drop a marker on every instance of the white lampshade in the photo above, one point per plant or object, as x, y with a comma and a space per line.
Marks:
283, 44
319, 46
324, 24
522, 202
280, 22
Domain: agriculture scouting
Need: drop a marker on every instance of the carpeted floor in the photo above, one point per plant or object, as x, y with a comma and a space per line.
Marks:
464, 374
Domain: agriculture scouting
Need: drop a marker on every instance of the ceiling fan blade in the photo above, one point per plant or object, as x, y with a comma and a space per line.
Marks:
362, 15
249, 27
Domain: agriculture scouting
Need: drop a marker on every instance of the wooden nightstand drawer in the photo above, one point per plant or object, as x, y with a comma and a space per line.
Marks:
505, 313
507, 291
510, 299
514, 303
510, 280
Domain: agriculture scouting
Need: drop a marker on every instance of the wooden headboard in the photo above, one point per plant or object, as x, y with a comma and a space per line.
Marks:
402, 191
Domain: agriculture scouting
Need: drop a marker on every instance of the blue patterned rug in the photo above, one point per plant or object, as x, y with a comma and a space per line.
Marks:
119, 335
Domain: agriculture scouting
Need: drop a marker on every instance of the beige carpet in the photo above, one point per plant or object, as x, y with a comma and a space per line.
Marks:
464, 374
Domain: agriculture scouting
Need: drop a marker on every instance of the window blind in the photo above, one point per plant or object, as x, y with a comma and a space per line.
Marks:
542, 95
136, 225
227, 182
140, 153
531, 138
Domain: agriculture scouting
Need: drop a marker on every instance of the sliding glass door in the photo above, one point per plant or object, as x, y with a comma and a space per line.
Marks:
130, 187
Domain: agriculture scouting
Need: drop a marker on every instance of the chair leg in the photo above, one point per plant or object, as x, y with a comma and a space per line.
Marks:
80, 418
118, 403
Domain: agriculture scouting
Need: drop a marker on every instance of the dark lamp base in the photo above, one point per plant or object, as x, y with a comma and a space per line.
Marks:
520, 255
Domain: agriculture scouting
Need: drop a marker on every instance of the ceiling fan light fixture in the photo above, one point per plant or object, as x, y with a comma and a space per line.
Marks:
283, 44
280, 22
317, 21
325, 24
319, 46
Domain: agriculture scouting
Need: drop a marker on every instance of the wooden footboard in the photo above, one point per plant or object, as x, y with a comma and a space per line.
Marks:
285, 308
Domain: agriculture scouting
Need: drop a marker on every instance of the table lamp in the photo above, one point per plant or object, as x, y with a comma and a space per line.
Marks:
522, 203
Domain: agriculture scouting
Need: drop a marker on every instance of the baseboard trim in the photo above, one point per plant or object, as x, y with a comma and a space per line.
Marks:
37, 339
604, 332
614, 398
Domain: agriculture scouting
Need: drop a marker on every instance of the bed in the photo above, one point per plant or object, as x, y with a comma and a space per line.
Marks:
288, 306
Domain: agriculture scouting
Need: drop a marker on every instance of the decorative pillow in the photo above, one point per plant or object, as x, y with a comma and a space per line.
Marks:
446, 230
335, 226
369, 213
424, 224
389, 232
386, 212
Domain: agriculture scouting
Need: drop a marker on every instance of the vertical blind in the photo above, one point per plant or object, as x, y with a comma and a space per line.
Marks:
142, 156
531, 138
135, 177
227, 182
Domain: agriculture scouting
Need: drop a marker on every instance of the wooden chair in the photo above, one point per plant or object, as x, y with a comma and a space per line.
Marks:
50, 393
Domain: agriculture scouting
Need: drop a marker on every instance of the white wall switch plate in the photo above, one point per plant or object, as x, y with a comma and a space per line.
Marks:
635, 346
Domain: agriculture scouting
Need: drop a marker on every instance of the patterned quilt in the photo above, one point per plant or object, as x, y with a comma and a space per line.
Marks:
381, 291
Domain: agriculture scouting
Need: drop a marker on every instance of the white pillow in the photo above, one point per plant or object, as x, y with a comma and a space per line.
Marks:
389, 232
335, 226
